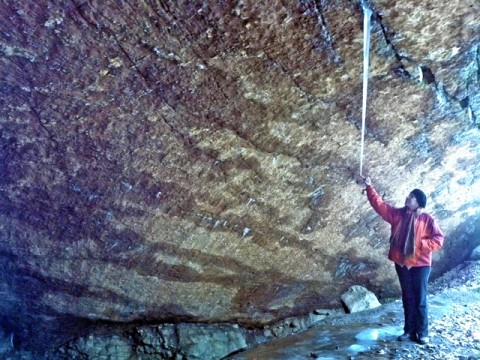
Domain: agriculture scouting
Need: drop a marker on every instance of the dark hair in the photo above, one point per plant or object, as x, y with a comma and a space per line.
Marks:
421, 197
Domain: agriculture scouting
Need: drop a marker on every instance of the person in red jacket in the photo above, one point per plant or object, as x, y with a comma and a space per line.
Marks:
414, 236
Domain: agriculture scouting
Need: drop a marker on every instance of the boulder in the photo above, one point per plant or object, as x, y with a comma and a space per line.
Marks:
475, 255
358, 298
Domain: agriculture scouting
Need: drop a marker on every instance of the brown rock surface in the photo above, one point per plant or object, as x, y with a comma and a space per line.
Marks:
198, 161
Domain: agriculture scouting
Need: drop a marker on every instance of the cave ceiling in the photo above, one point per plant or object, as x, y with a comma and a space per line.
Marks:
199, 160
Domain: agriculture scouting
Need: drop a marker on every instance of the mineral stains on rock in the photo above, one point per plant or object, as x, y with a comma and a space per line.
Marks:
197, 160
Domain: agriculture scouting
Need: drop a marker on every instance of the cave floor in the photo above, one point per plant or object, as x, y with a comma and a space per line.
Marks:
454, 308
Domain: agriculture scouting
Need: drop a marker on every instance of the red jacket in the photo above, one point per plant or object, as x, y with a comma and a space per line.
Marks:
428, 236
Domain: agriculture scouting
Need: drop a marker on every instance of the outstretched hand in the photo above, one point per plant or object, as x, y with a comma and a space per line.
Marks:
367, 181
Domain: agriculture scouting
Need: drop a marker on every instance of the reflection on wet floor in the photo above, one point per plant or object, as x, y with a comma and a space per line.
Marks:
342, 340
324, 342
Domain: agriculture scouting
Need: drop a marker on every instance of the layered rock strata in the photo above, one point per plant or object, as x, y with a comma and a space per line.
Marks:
181, 161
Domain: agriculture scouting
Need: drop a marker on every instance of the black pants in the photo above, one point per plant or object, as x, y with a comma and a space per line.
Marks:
414, 284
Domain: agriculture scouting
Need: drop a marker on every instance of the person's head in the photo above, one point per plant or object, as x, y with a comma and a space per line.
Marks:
416, 199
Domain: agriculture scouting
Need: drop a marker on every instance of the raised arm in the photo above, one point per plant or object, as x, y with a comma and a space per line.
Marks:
385, 210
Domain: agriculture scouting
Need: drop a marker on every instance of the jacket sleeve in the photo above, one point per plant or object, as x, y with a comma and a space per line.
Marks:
434, 239
385, 210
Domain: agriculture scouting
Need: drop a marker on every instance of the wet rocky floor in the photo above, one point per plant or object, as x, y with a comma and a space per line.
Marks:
454, 307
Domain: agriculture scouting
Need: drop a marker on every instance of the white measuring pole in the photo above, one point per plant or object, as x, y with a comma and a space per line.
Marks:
367, 13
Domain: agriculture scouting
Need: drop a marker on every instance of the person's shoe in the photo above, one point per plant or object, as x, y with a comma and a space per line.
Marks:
423, 340
404, 337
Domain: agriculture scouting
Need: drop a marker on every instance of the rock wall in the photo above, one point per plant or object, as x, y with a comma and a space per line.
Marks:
169, 161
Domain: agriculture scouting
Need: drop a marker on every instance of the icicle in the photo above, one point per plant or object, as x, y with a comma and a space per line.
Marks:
367, 13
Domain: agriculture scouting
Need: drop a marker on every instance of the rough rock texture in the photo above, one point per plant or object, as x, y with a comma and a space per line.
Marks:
358, 298
197, 161
169, 341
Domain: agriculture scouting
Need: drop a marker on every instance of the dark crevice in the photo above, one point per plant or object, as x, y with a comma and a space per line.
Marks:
426, 75
88, 18
473, 117
464, 102
165, 10
477, 61
386, 35
400, 69
128, 57
317, 8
